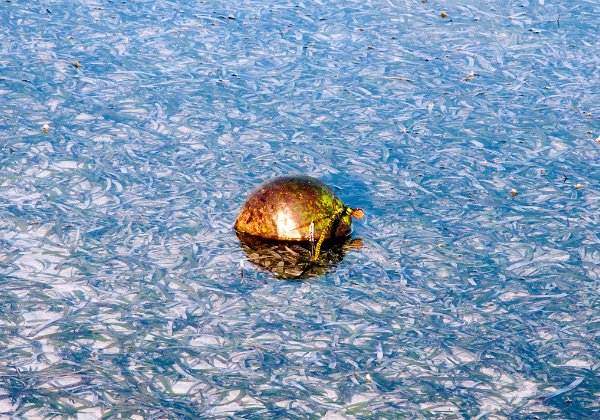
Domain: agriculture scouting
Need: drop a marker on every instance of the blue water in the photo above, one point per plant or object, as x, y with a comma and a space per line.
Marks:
472, 142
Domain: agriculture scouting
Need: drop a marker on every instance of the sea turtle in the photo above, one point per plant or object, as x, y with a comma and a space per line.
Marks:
295, 208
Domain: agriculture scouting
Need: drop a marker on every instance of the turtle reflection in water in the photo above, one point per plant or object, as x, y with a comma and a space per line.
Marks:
293, 260
294, 210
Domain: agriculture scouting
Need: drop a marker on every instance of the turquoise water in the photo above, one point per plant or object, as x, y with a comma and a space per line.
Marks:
472, 142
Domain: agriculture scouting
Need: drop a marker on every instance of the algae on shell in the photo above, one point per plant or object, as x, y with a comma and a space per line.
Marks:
285, 207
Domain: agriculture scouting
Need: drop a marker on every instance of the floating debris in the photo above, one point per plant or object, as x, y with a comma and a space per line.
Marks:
471, 76
443, 15
404, 79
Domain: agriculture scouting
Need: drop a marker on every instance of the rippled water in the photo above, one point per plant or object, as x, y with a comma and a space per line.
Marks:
471, 141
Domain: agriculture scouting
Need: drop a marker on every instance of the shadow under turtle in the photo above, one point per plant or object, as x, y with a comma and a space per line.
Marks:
294, 260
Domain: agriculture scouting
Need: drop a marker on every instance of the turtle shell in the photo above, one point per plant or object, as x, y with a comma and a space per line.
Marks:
285, 207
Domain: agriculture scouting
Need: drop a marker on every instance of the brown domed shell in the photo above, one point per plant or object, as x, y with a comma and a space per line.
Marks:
285, 207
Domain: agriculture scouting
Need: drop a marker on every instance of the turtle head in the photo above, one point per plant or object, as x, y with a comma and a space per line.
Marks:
356, 213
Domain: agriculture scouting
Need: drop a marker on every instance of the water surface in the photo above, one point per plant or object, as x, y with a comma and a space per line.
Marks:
471, 141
